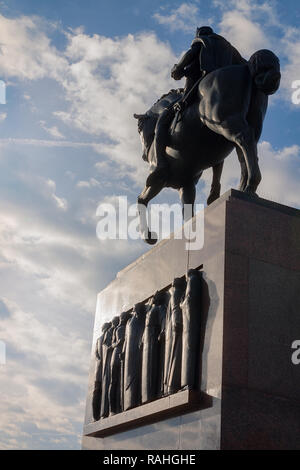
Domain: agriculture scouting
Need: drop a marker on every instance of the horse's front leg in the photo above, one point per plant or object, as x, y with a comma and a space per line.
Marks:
216, 183
148, 193
187, 196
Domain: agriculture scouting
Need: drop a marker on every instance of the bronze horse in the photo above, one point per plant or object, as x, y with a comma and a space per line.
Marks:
227, 113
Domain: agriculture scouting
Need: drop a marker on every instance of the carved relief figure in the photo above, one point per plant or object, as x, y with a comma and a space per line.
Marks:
96, 401
132, 352
172, 379
191, 329
164, 301
150, 364
118, 338
168, 345
151, 352
106, 358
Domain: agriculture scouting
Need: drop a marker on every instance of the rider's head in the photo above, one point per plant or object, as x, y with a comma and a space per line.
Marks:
204, 31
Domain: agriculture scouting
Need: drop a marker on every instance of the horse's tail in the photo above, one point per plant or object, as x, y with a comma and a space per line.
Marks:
265, 69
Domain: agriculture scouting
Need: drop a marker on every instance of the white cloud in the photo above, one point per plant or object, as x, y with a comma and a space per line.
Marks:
87, 184
52, 130
183, 18
5, 142
238, 22
249, 26
280, 174
46, 188
108, 81
50, 274
26, 51
244, 33
42, 349
290, 45
105, 80
29, 401
51, 268
257, 10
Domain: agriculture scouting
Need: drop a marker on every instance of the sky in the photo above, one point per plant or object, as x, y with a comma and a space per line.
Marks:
75, 72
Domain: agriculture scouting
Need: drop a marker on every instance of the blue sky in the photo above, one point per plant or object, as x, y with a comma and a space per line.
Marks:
75, 73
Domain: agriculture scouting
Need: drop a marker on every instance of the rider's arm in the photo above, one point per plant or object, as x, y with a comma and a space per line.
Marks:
186, 59
190, 55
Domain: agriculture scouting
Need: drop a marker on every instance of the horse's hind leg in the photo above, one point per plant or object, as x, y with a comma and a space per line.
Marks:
247, 143
244, 171
240, 133
148, 193
216, 183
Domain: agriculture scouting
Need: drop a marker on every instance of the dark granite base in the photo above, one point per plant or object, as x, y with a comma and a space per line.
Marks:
251, 272
167, 407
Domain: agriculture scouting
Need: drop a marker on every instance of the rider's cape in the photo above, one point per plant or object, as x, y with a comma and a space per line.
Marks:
215, 52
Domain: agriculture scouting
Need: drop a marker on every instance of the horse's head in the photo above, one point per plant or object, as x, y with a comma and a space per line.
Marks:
141, 121
147, 121
146, 126
264, 66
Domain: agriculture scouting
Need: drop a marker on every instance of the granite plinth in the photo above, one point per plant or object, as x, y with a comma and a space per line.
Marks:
251, 305
166, 407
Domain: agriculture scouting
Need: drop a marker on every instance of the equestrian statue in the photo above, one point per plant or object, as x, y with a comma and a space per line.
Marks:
221, 108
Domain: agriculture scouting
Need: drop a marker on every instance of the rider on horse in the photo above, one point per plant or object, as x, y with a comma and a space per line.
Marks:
208, 52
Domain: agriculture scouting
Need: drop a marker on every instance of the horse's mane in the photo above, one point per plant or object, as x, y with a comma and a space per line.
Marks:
173, 92
164, 100
158, 107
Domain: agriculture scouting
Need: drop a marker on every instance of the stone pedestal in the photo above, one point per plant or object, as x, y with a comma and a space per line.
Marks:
250, 388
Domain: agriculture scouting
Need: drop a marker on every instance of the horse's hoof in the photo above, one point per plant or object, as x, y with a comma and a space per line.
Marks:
250, 191
159, 174
242, 186
151, 239
212, 197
